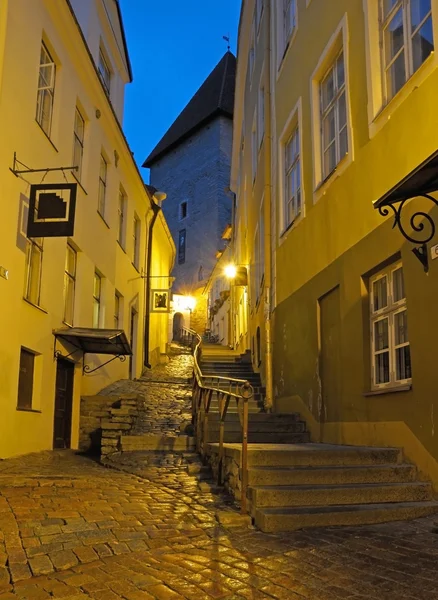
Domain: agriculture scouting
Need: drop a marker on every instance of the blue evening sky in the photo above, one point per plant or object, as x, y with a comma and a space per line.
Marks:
173, 47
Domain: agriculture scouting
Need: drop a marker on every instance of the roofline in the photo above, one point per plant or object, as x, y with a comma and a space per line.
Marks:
217, 113
125, 45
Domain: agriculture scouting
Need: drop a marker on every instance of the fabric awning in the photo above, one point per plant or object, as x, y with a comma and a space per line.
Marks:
422, 180
96, 341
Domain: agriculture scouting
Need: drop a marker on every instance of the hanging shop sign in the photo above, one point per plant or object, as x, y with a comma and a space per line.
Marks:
160, 301
51, 210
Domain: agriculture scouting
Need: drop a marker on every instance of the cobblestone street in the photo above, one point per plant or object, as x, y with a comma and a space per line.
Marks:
71, 528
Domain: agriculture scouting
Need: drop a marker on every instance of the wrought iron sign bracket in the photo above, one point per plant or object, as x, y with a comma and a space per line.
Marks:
58, 354
423, 231
86, 369
18, 172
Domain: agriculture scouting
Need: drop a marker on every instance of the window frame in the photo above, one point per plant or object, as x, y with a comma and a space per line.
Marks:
261, 114
181, 216
104, 71
118, 299
97, 300
78, 144
384, 22
34, 246
70, 284
121, 213
103, 182
45, 91
387, 312
26, 405
287, 8
136, 236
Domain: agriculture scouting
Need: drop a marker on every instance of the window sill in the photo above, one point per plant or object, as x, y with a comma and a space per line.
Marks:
47, 136
79, 183
103, 219
43, 310
292, 225
322, 187
389, 390
29, 410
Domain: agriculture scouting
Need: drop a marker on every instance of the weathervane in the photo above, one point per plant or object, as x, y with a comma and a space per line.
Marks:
227, 39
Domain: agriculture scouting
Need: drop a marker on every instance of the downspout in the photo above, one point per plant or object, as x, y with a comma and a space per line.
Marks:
156, 211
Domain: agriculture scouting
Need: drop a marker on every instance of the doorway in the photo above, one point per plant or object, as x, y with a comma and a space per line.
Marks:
65, 371
133, 341
178, 322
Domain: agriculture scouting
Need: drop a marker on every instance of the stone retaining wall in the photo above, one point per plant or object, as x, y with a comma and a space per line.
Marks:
93, 410
230, 472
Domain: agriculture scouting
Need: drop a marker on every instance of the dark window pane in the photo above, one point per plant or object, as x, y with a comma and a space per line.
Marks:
403, 363
382, 368
422, 44
25, 380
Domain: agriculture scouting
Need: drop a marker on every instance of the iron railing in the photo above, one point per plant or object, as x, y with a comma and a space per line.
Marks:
225, 389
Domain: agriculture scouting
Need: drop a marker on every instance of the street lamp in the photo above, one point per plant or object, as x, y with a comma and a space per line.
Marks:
237, 274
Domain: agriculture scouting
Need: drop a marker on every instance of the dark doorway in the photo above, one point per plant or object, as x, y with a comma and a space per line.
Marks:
63, 404
178, 321
133, 342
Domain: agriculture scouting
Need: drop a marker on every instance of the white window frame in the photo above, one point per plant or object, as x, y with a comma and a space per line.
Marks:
293, 125
121, 213
103, 177
97, 300
46, 90
407, 47
78, 142
388, 313
34, 256
70, 285
338, 41
104, 71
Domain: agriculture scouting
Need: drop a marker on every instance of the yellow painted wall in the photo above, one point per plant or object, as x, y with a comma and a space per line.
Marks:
24, 24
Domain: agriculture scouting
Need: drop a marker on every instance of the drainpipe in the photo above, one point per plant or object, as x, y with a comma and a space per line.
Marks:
156, 208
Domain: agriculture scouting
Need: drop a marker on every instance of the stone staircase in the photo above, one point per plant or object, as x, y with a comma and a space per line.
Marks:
313, 485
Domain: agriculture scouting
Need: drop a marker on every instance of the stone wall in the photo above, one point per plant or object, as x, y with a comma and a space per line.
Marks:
93, 410
121, 421
230, 472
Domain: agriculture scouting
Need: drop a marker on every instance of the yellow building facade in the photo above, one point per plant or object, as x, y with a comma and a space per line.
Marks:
63, 69
337, 117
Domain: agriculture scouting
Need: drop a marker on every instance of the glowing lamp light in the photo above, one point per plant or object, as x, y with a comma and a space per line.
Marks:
230, 271
189, 303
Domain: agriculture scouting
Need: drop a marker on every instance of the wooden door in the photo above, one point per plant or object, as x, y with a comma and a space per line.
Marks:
63, 404
330, 335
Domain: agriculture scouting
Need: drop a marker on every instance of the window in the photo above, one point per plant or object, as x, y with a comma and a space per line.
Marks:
182, 211
289, 21
117, 304
391, 360
136, 242
292, 179
69, 284
406, 40
97, 295
333, 116
46, 89
252, 51
78, 143
102, 186
261, 116
182, 247
25, 379
254, 147
121, 215
34, 266
104, 72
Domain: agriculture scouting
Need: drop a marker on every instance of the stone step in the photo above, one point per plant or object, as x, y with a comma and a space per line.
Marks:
331, 475
255, 437
332, 495
156, 442
272, 520
313, 454
265, 418
258, 427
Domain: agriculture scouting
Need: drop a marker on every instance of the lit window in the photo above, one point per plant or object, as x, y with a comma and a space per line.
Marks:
292, 179
121, 215
182, 247
333, 116
407, 40
102, 186
34, 266
78, 143
69, 284
136, 242
97, 292
104, 72
25, 379
46, 89
391, 359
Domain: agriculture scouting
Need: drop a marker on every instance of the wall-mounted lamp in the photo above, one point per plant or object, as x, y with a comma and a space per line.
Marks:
238, 275
189, 303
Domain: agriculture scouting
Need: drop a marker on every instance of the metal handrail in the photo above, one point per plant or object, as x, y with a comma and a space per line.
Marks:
201, 402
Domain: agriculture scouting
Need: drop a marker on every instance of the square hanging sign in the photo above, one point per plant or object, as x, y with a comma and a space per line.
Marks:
51, 210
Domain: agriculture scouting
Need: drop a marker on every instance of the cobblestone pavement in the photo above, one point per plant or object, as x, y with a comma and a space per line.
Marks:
70, 528
167, 394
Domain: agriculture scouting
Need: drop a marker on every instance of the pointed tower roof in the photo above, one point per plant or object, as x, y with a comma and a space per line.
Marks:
215, 97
